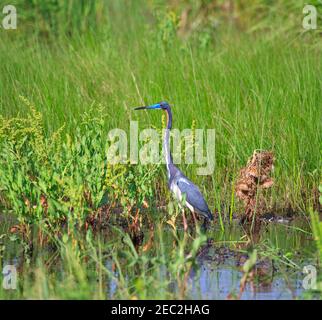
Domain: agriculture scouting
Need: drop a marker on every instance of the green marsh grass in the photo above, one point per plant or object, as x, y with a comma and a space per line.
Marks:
253, 92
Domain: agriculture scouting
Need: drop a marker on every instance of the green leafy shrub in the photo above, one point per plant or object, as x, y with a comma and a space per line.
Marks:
63, 179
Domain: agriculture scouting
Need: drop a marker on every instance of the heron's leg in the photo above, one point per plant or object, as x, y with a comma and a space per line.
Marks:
194, 218
184, 220
204, 225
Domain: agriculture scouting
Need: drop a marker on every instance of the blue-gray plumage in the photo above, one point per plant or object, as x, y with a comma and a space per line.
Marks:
179, 184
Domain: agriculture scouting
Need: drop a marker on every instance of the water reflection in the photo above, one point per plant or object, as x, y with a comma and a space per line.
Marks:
222, 281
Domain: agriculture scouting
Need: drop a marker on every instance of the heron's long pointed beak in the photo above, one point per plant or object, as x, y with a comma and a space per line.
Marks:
140, 108
154, 106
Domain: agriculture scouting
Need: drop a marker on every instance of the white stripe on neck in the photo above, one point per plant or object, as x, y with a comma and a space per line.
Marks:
166, 146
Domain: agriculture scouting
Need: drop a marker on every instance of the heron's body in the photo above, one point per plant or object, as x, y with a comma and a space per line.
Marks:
183, 188
185, 191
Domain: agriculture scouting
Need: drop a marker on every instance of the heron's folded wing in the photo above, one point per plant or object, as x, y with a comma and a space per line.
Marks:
193, 195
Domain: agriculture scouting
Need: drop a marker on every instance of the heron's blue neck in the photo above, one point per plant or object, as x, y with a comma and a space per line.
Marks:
166, 145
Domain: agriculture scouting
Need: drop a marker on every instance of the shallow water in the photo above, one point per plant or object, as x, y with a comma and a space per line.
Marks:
286, 247
219, 280
276, 277
283, 250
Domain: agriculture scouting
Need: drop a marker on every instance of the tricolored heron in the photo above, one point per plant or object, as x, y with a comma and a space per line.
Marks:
179, 184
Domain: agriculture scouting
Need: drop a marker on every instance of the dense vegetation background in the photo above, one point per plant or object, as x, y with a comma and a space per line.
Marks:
247, 69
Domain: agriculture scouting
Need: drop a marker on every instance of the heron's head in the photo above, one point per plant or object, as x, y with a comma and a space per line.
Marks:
160, 105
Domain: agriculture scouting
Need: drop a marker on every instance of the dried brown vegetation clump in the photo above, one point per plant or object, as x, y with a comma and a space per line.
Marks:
252, 178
